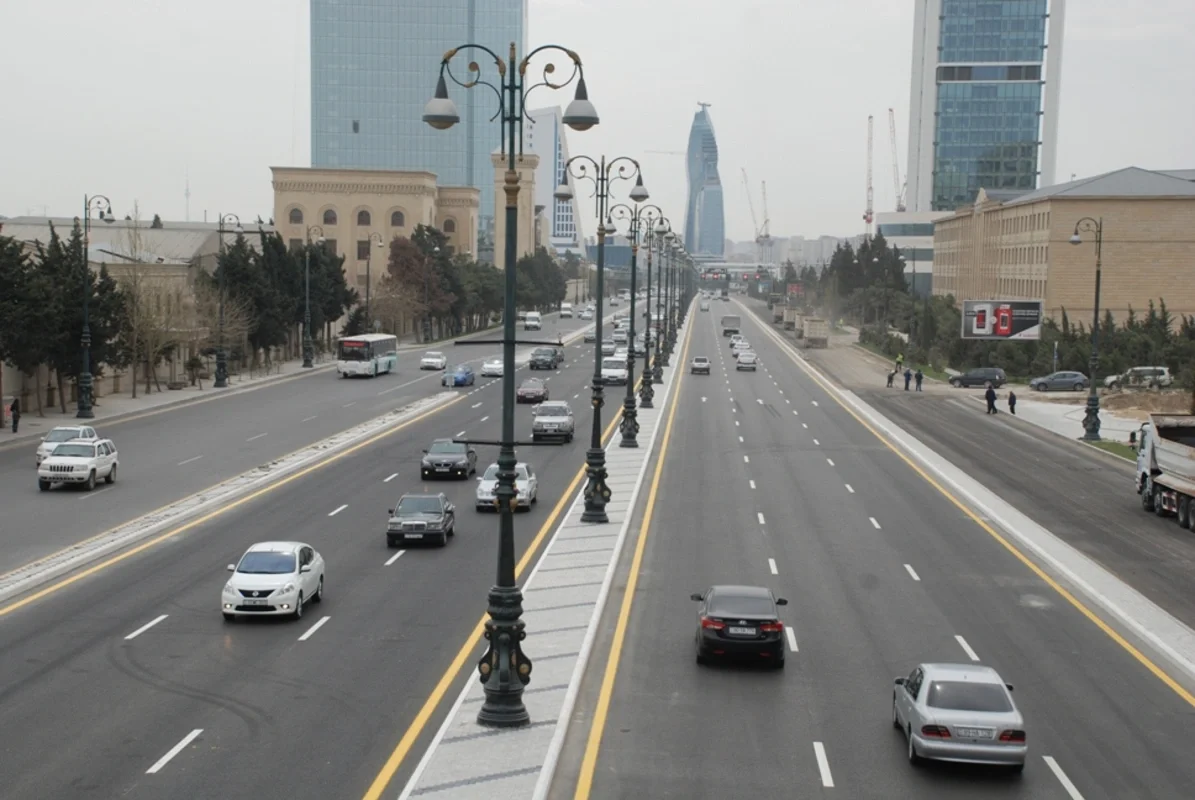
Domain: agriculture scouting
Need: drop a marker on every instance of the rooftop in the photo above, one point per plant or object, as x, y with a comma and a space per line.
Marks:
1130, 182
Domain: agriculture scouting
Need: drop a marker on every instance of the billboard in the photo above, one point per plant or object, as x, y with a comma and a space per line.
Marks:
796, 289
1002, 320
764, 287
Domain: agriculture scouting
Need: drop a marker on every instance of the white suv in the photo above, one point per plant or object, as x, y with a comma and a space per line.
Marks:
79, 462
64, 433
1141, 377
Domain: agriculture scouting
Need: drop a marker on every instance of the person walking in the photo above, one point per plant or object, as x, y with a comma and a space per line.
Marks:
15, 410
918, 376
891, 377
990, 396
1012, 402
900, 361
908, 378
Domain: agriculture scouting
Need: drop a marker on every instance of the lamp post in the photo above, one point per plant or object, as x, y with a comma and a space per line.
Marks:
504, 669
670, 302
1091, 416
308, 344
103, 206
657, 372
602, 173
655, 239
221, 381
642, 219
376, 240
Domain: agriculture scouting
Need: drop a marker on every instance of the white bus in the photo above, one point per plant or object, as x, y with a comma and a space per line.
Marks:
367, 354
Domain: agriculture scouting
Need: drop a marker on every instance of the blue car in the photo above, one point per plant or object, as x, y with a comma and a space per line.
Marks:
460, 375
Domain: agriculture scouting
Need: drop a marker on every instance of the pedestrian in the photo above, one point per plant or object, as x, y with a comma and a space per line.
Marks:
15, 410
891, 377
918, 376
900, 361
908, 378
990, 396
1012, 402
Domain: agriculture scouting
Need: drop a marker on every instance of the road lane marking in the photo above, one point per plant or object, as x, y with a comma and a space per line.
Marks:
1070, 788
189, 460
308, 419
337, 511
390, 478
814, 402
740, 440
803, 425
460, 434
772, 566
736, 423
477, 405
752, 483
823, 764
830, 461
759, 400
483, 419
874, 523
817, 443
912, 572
349, 405
759, 516
393, 558
971, 654
174, 751
258, 436
792, 638
849, 488
795, 412
313, 629
746, 459
145, 627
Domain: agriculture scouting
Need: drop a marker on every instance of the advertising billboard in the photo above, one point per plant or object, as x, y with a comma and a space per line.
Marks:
796, 289
765, 287
1002, 320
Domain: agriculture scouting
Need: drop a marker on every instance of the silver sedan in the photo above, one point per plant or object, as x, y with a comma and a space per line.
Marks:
959, 712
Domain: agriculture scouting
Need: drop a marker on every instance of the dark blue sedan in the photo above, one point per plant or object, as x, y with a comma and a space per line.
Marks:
460, 375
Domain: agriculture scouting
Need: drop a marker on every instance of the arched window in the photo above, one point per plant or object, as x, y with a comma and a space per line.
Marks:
296, 216
330, 217
449, 226
397, 220
363, 219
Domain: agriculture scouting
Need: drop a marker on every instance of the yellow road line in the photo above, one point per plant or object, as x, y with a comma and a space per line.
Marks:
415, 729
594, 742
1016, 552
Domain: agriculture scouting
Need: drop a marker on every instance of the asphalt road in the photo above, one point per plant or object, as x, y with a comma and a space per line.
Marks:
280, 716
881, 572
181, 451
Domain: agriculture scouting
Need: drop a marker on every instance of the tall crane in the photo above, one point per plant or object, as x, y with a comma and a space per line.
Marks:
869, 213
763, 239
897, 186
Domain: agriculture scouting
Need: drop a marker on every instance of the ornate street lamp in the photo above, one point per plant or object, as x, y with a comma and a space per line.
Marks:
655, 240
308, 344
602, 174
1091, 416
376, 240
103, 206
666, 243
505, 669
221, 381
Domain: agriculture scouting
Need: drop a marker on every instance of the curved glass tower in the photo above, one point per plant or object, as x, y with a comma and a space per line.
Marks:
705, 223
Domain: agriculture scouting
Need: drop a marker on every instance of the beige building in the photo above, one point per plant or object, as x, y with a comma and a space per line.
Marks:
526, 233
1010, 246
347, 206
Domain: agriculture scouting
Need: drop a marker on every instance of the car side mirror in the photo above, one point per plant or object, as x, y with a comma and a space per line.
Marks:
43, 438
899, 682
450, 507
1132, 439
390, 511
696, 596
1008, 686
305, 568
232, 567
425, 452
780, 601
472, 452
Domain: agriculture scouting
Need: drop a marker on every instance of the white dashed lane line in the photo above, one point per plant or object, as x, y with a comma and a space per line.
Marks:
803, 425
814, 402
830, 461
460, 434
746, 460
189, 460
971, 654
874, 523
912, 572
823, 765
772, 566
145, 627
311, 631
759, 516
816, 443
394, 558
792, 638
740, 440
337, 511
477, 405
483, 419
174, 751
1070, 788
258, 436
849, 488
751, 483
389, 478
308, 419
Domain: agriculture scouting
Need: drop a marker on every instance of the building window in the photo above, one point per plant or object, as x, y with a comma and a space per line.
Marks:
296, 216
362, 249
397, 220
356, 126
330, 246
449, 226
295, 245
363, 219
330, 217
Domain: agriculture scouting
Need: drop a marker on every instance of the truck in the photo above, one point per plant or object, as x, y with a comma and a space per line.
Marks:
775, 299
731, 324
1165, 447
790, 319
777, 313
816, 332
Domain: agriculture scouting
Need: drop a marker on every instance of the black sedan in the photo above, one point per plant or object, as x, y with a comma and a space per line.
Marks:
740, 621
448, 459
532, 390
543, 358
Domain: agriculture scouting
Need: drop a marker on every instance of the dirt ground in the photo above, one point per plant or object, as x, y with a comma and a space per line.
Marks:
1135, 403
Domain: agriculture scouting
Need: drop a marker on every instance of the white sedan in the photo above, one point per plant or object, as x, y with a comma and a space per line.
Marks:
273, 579
433, 360
64, 433
526, 484
492, 368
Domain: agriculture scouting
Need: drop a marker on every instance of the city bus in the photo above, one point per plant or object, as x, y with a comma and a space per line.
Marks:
368, 354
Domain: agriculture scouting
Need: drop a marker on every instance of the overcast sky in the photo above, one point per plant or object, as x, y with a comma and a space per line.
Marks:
129, 97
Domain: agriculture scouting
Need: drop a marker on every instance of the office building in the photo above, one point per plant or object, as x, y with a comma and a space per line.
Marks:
983, 105
913, 233
544, 135
374, 64
705, 221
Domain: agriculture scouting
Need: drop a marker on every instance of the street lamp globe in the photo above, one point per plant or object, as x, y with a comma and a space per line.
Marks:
580, 115
639, 192
564, 191
1076, 238
661, 229
609, 228
440, 112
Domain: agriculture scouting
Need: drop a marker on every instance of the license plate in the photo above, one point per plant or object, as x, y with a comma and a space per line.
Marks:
412, 536
549, 427
252, 601
441, 469
974, 733
742, 631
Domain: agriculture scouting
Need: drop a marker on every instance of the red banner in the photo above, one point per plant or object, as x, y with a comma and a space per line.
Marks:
796, 288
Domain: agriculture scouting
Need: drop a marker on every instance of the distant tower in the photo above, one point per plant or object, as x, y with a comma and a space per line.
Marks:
187, 200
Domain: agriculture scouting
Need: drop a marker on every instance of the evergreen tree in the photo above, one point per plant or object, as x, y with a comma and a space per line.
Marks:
355, 323
157, 222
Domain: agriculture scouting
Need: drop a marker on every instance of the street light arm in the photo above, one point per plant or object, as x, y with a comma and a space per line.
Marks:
474, 71
379, 240
1088, 225
549, 69
318, 228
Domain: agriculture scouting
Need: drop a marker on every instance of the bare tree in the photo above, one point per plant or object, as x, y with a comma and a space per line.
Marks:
394, 302
204, 318
132, 278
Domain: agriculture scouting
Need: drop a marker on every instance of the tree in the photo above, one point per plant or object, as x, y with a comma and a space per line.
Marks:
790, 272
157, 221
25, 312
356, 323
134, 284
204, 318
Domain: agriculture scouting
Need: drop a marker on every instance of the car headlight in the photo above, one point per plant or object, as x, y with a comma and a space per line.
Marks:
287, 589
229, 589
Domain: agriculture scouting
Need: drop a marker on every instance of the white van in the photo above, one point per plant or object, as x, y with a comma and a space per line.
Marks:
566, 310
533, 322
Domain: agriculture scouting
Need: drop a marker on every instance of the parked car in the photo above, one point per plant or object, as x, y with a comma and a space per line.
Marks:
1064, 380
1146, 377
980, 376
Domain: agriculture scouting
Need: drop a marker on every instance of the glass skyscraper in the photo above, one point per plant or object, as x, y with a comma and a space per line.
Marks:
705, 222
984, 100
374, 65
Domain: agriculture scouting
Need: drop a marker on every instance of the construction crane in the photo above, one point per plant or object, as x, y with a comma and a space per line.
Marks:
763, 240
869, 213
897, 185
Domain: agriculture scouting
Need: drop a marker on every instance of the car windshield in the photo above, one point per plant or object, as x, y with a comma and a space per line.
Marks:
613, 363
730, 605
532, 383
79, 450
552, 410
433, 354
418, 505
701, 360
352, 350
64, 435
491, 473
445, 448
266, 563
460, 368
545, 352
966, 696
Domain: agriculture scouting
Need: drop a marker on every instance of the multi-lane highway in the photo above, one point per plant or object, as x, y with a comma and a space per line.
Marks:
107, 680
766, 480
179, 451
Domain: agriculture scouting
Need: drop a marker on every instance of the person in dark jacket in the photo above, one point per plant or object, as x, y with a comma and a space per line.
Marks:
1012, 402
15, 410
908, 378
918, 377
990, 396
891, 377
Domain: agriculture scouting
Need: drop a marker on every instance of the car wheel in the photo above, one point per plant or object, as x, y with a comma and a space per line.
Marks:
318, 597
1114, 385
534, 438
1184, 512
1017, 769
452, 531
914, 759
1147, 497
956, 383
443, 540
298, 612
43, 485
90, 481
1159, 508
391, 541
110, 478
1079, 386
229, 617
701, 657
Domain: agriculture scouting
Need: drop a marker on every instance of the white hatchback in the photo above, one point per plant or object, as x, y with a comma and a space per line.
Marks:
492, 368
433, 360
273, 579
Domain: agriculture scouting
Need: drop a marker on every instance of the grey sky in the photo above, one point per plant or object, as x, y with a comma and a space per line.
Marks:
127, 97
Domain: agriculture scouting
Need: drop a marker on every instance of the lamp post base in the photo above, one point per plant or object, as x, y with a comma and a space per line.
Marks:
657, 370
83, 406
1091, 419
630, 422
597, 493
308, 354
221, 381
647, 392
504, 669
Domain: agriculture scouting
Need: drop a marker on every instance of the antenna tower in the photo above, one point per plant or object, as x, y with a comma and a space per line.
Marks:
187, 200
868, 214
